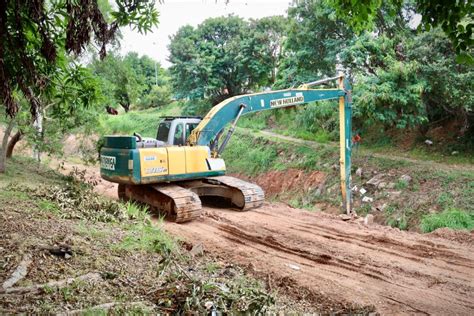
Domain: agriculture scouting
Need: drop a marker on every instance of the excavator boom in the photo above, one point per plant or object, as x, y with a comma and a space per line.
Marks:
226, 111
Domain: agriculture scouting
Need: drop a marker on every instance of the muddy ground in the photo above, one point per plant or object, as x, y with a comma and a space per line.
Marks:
336, 264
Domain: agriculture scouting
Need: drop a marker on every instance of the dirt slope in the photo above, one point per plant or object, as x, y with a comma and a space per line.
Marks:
336, 265
342, 262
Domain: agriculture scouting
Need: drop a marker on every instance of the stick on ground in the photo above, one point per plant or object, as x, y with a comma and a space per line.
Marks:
36, 288
104, 307
20, 272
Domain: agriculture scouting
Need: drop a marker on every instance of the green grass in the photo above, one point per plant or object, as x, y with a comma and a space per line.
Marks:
48, 206
451, 218
147, 237
137, 212
401, 184
27, 171
246, 155
144, 122
84, 229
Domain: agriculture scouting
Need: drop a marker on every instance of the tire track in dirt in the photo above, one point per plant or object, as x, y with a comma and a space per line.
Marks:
342, 262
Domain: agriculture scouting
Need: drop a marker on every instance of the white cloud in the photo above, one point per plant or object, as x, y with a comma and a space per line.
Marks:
177, 13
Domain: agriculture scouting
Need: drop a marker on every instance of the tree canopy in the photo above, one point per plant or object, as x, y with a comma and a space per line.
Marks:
130, 79
455, 18
37, 36
225, 56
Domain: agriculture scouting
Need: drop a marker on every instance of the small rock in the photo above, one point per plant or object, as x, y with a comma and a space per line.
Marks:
320, 189
354, 188
345, 217
369, 219
394, 193
362, 191
208, 305
359, 172
405, 178
382, 185
376, 180
455, 153
390, 185
294, 267
367, 199
197, 250
428, 142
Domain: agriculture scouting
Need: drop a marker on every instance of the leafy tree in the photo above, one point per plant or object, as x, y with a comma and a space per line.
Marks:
158, 96
119, 81
409, 81
37, 36
269, 34
454, 17
220, 58
66, 105
449, 85
315, 37
130, 79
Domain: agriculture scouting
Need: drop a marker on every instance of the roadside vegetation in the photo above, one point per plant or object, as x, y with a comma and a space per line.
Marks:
117, 256
403, 194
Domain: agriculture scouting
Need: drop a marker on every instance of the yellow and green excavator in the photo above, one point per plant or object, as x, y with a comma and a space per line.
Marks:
172, 172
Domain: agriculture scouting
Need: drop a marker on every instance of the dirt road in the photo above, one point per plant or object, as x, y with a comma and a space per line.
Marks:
342, 262
335, 264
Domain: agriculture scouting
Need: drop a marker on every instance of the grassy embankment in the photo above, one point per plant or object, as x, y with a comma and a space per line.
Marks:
129, 264
433, 198
144, 122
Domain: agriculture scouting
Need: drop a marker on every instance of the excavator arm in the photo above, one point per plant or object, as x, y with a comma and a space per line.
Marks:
210, 128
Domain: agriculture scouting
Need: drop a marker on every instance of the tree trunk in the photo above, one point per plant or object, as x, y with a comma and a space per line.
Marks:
3, 149
38, 125
13, 141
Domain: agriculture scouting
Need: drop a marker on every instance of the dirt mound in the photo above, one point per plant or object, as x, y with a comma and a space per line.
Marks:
460, 236
275, 183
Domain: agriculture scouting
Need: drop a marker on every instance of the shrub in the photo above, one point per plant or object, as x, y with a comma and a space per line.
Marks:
451, 218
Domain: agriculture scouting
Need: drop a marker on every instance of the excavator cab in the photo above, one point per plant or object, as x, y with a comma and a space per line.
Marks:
175, 130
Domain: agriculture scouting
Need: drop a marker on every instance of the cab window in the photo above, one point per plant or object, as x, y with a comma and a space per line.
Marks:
189, 128
163, 131
178, 135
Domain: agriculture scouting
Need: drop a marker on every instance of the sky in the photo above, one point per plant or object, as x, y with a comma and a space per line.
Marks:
177, 13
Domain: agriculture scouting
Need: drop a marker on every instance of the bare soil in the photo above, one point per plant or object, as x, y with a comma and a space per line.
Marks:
343, 262
334, 264
274, 183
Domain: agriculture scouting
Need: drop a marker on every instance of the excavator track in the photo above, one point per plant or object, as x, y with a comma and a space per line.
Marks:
253, 194
242, 195
177, 203
180, 201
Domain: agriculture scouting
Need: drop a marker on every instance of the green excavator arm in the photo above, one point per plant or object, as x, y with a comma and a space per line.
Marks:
209, 130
